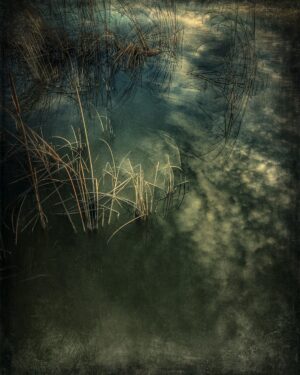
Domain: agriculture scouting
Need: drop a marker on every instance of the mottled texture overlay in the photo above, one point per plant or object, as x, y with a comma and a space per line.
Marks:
149, 187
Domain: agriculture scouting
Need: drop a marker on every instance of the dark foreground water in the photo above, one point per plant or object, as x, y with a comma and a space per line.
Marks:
213, 287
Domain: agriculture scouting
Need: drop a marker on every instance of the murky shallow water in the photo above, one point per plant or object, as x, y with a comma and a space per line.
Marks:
212, 288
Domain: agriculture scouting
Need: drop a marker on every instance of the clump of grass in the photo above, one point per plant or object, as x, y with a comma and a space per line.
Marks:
64, 175
144, 191
162, 193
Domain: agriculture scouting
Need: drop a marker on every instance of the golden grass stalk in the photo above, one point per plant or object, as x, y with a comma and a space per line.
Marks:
33, 175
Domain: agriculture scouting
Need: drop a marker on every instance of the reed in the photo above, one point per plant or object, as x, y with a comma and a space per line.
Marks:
107, 130
234, 78
63, 174
162, 190
21, 129
90, 44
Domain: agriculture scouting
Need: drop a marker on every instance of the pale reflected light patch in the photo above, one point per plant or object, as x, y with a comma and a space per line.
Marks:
190, 210
192, 20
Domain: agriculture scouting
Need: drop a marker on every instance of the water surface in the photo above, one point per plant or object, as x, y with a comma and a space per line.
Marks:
212, 287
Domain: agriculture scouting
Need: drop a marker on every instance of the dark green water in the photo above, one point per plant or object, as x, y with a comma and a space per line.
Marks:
213, 287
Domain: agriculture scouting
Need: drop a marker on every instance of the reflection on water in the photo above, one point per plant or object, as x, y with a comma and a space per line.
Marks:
212, 287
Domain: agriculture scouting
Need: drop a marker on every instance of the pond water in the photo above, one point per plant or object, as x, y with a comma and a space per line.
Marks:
211, 287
